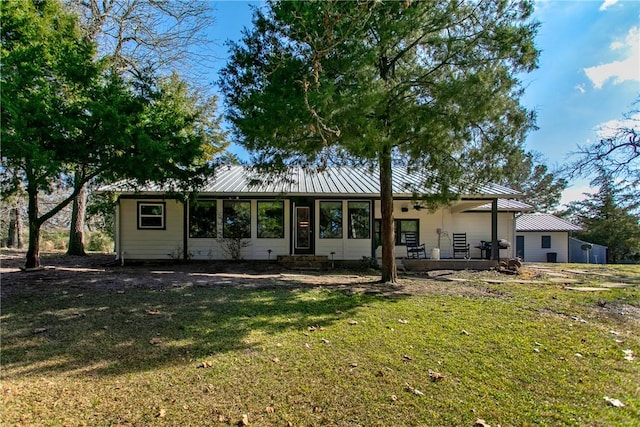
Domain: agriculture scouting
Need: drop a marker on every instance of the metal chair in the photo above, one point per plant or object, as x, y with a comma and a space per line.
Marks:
460, 245
414, 250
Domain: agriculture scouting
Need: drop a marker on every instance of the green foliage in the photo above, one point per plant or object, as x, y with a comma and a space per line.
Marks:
527, 173
608, 221
428, 85
62, 111
100, 241
317, 82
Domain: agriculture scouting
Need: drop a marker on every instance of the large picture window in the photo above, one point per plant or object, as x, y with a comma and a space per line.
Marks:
359, 220
401, 228
151, 216
331, 220
202, 219
236, 219
270, 220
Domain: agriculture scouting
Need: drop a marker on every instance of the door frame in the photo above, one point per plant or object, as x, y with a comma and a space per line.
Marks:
309, 203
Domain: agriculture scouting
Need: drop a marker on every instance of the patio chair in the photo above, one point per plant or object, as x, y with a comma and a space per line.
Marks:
414, 250
460, 245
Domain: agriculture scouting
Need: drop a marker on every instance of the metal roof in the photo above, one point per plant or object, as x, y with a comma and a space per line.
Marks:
359, 181
508, 205
544, 222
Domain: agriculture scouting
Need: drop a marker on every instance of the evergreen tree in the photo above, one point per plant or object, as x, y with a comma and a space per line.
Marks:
608, 221
429, 85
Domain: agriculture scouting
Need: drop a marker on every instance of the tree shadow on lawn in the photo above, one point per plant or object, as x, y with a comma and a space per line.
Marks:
121, 320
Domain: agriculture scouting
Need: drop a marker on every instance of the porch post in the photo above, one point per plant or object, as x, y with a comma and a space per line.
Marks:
495, 254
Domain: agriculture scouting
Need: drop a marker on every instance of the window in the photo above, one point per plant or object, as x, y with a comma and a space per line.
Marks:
359, 220
270, 220
151, 216
331, 220
236, 219
202, 219
546, 241
401, 227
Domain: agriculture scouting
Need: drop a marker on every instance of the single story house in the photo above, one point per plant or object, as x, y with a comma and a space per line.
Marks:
333, 213
543, 237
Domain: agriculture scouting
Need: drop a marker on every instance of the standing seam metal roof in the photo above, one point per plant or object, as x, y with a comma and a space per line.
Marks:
544, 222
362, 181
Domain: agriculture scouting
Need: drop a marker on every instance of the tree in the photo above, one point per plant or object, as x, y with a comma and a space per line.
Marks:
140, 39
527, 173
617, 151
429, 85
62, 112
607, 220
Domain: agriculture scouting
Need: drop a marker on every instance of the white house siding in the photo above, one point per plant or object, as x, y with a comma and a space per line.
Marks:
437, 228
477, 225
345, 248
150, 244
534, 252
257, 249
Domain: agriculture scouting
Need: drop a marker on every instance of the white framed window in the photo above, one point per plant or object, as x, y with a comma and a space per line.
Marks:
151, 215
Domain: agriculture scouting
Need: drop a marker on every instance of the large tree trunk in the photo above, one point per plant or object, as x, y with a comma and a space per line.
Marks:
33, 252
76, 232
389, 269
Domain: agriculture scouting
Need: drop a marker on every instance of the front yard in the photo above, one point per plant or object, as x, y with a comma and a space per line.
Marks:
207, 344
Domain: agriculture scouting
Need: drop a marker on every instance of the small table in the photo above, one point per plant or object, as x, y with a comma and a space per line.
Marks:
485, 249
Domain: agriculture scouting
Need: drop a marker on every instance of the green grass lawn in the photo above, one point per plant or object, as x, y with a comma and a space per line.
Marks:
289, 353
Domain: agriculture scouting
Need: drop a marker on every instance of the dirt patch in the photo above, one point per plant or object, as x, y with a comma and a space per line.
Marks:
63, 273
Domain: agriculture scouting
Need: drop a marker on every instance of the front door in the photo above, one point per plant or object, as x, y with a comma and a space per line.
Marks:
302, 229
520, 247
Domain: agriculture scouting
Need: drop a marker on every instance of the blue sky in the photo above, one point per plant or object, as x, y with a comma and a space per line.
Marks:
588, 75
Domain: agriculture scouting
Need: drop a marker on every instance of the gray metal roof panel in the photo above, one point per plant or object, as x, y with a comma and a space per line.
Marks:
544, 222
237, 179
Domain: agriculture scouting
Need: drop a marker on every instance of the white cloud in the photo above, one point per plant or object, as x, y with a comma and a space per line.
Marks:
576, 193
607, 3
580, 88
608, 129
627, 69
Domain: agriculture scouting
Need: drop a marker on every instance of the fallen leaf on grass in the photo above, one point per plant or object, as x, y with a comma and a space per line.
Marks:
155, 341
614, 333
579, 355
628, 355
403, 321
406, 358
317, 410
275, 360
353, 322
614, 402
394, 398
325, 341
205, 364
162, 413
413, 390
463, 332
435, 376
481, 423
353, 365
245, 420
270, 410
152, 312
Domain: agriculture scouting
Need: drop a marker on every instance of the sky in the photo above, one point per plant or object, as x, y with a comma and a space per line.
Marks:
588, 75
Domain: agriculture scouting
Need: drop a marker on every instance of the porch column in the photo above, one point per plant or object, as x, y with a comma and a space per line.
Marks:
495, 254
